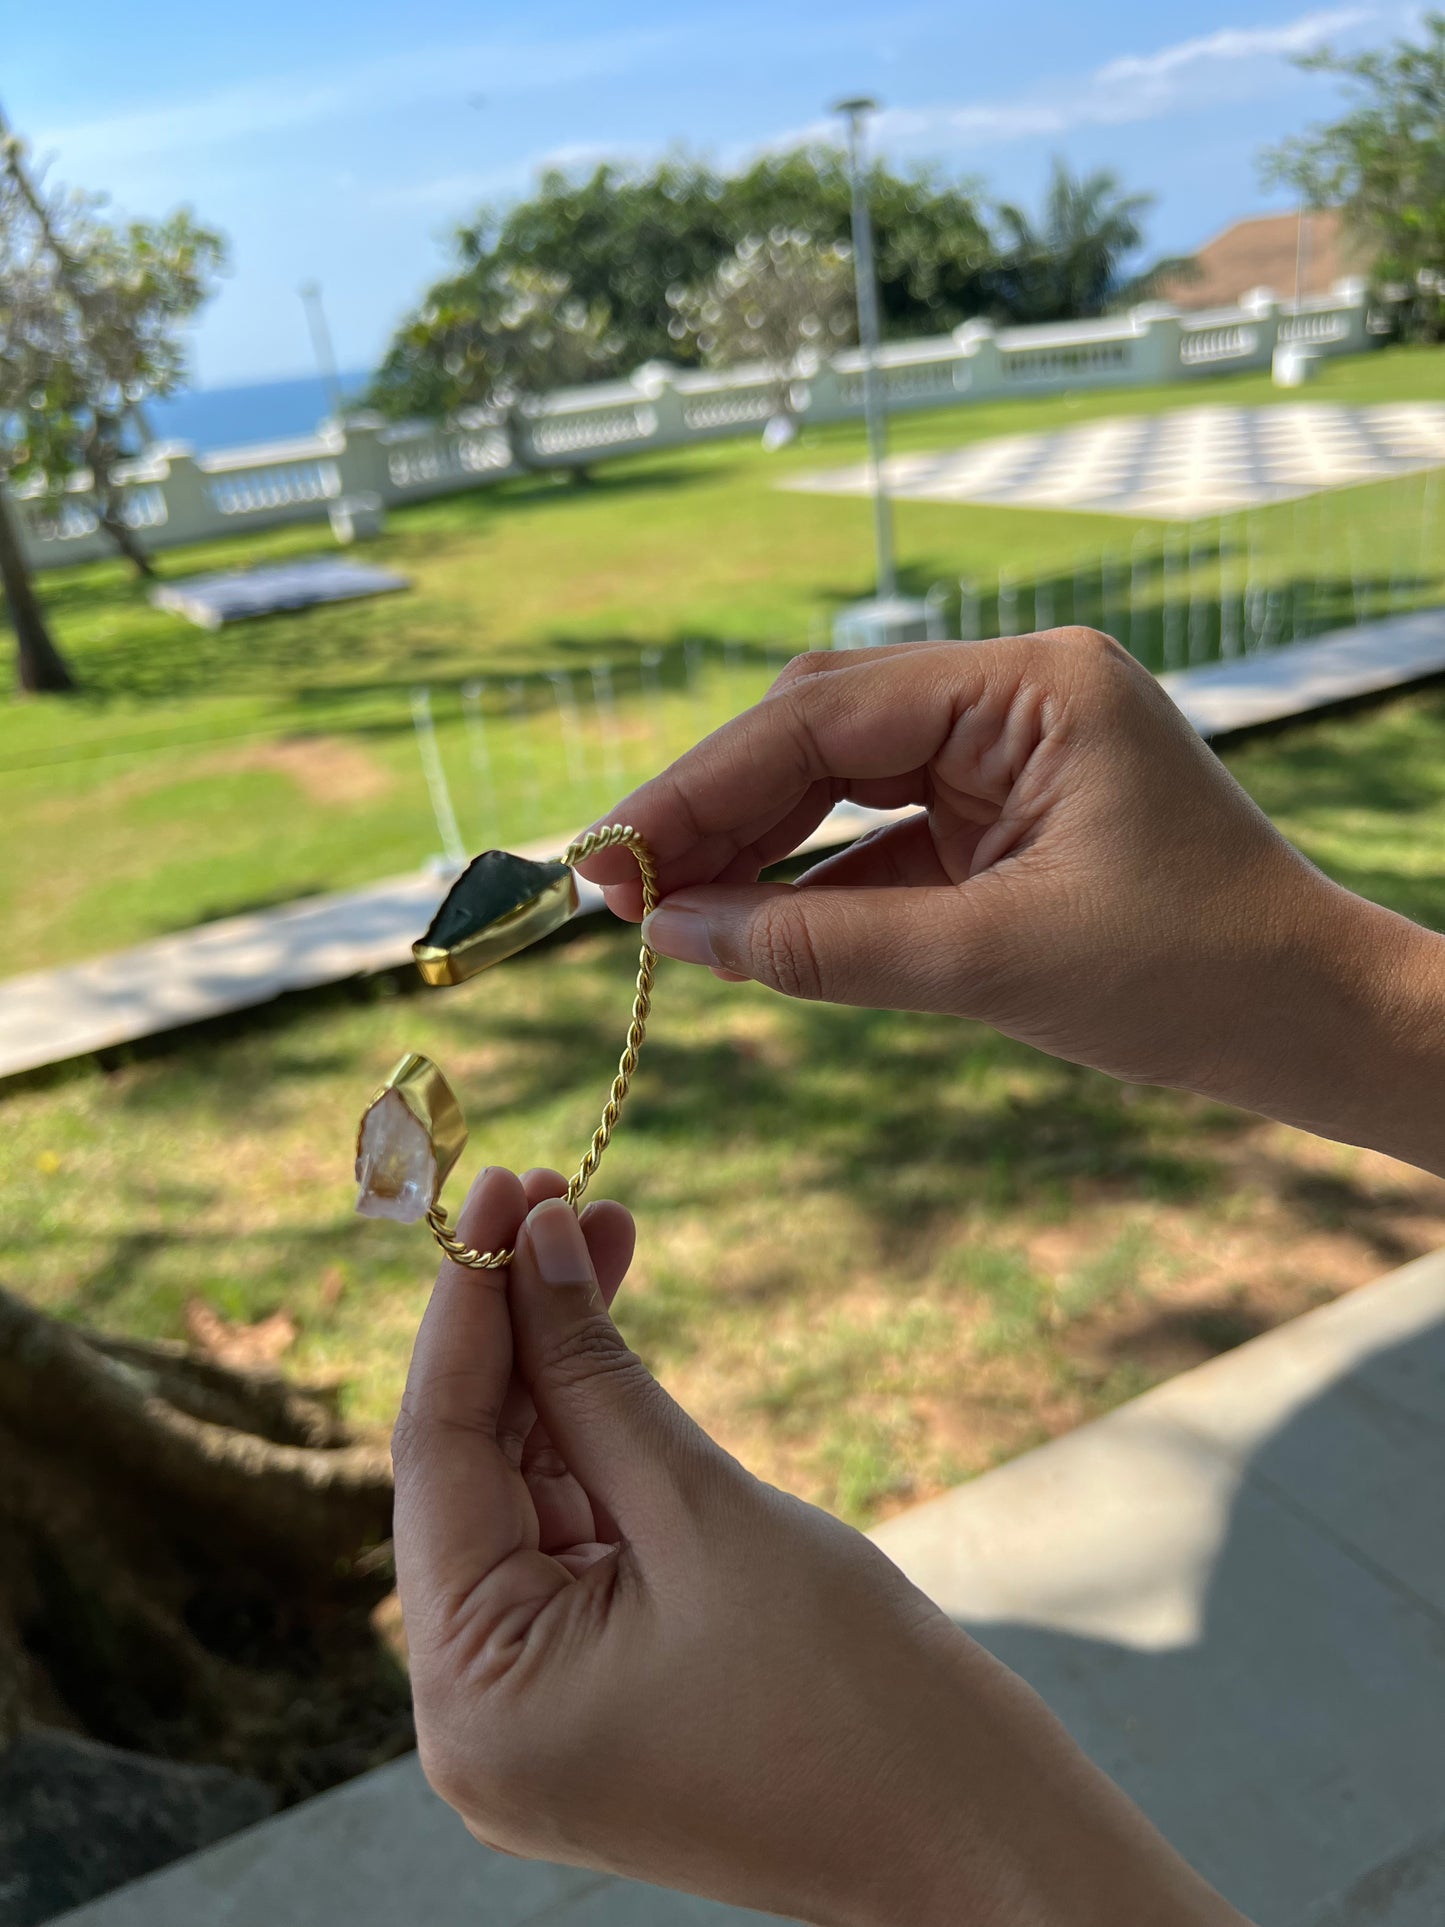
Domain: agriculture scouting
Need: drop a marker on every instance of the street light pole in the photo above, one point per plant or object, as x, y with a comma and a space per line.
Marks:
865, 282
310, 293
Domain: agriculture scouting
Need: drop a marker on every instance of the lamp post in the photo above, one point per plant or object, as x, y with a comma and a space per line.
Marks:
854, 113
310, 293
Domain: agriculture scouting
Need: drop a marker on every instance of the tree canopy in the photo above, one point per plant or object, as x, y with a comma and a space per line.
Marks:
1383, 161
616, 243
1069, 265
500, 334
770, 300
90, 311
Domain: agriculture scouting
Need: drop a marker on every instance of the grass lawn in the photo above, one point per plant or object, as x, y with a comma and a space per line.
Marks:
199, 775
878, 1252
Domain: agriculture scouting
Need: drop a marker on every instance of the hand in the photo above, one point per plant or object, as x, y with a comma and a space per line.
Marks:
1081, 873
629, 1654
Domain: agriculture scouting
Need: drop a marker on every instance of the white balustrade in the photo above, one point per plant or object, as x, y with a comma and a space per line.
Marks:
579, 434
1314, 329
1236, 342
257, 491
430, 461
735, 408
174, 496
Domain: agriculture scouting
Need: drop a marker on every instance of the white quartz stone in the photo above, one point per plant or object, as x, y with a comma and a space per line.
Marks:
395, 1166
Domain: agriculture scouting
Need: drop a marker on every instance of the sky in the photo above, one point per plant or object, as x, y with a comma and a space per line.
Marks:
342, 143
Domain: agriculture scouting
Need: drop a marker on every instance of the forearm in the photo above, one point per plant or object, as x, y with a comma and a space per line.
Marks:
994, 1817
1349, 1032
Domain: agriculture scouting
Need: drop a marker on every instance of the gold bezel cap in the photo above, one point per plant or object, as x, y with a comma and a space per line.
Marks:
424, 1090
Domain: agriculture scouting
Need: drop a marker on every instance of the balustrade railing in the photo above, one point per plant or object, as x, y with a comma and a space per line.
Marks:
175, 496
1234, 342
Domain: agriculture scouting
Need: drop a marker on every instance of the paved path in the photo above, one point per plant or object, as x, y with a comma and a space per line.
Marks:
1224, 697
1188, 462
237, 962
1232, 1590
52, 1015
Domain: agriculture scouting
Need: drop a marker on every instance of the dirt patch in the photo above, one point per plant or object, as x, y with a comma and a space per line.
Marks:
326, 769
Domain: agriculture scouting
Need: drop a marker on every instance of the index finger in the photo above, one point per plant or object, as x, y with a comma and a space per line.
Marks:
752, 791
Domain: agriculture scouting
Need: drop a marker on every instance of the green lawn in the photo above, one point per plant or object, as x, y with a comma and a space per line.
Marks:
203, 774
878, 1252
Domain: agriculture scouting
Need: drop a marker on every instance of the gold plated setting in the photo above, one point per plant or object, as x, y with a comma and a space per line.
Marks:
499, 905
433, 1103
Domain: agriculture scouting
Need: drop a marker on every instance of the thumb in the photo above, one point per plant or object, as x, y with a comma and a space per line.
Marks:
901, 949
629, 1446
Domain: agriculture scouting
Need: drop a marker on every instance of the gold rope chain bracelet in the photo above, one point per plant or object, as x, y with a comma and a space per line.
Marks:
413, 1131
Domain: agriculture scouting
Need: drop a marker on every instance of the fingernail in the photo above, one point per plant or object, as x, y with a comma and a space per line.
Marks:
675, 932
558, 1245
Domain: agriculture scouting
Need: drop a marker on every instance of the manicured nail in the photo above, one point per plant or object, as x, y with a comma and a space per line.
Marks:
558, 1245
675, 932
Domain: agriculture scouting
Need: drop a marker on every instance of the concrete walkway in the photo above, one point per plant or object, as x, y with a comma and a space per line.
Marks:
236, 963
1232, 1590
51, 1015
1222, 698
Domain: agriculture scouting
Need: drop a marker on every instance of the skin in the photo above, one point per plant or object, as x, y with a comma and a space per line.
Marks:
1082, 874
628, 1653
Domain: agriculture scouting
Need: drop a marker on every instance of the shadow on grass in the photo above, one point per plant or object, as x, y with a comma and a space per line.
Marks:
1154, 603
1176, 599
528, 688
908, 1118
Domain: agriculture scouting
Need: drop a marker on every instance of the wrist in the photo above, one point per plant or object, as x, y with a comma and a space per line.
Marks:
1005, 1822
1391, 1094
1357, 1031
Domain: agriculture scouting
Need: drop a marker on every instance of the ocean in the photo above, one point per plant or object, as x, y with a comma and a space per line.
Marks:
262, 411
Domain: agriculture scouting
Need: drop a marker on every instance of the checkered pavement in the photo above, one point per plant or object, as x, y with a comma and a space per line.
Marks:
1190, 462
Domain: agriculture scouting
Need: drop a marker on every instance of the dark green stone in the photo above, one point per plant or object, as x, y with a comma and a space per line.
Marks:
491, 885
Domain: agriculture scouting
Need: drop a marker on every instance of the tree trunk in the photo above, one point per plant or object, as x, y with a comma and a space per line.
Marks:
40, 667
122, 534
190, 1560
109, 500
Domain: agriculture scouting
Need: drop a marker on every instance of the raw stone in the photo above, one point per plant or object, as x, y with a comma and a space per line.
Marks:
396, 1167
491, 885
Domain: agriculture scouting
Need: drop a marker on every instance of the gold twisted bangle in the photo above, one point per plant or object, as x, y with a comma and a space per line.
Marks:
611, 836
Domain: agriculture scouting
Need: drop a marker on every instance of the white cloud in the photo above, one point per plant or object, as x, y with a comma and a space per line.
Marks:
1134, 87
451, 192
1234, 43
396, 83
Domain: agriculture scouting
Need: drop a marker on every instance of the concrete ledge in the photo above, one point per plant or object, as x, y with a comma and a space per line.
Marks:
1232, 1590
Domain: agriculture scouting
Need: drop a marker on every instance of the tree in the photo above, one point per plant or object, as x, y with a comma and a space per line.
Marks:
934, 256
617, 238
1383, 161
109, 299
189, 1557
90, 311
496, 337
1070, 266
616, 241
27, 340
773, 301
